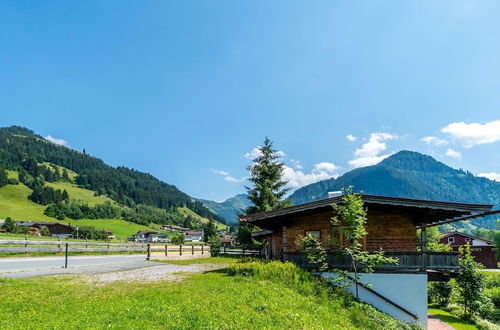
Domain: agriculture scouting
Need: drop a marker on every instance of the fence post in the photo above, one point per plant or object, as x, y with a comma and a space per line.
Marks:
166, 250
224, 248
86, 244
149, 252
202, 251
108, 248
25, 245
243, 251
180, 250
59, 245
66, 256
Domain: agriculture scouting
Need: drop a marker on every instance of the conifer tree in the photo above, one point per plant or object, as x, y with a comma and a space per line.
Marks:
266, 175
3, 178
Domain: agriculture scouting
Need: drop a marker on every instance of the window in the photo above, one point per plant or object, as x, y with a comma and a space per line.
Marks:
315, 233
451, 239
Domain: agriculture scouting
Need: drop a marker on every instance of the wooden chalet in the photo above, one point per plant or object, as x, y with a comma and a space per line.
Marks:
483, 251
392, 225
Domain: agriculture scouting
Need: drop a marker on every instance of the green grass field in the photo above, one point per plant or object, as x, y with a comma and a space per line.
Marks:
120, 228
79, 194
14, 203
214, 300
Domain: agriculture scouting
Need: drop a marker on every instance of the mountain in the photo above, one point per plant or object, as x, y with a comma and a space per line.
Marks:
47, 173
411, 175
229, 208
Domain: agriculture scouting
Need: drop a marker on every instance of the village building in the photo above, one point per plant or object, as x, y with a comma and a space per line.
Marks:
175, 228
392, 223
483, 251
194, 236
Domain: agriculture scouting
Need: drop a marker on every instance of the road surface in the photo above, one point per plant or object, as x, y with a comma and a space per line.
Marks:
33, 266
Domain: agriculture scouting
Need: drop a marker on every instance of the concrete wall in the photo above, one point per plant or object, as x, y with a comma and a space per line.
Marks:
407, 290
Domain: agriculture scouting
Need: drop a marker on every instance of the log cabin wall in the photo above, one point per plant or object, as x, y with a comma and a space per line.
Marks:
393, 232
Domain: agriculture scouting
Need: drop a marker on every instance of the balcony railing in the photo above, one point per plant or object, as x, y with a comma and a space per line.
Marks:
407, 261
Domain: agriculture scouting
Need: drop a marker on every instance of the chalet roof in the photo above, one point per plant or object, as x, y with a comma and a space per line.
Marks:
194, 233
451, 233
146, 232
261, 233
426, 211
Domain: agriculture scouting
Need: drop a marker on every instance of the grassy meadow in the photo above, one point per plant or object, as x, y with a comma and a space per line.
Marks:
226, 299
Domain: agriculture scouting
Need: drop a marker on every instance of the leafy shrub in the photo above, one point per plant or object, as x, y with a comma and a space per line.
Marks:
440, 293
215, 245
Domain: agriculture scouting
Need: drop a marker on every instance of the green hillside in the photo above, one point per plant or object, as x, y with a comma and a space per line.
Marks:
187, 212
14, 203
79, 194
57, 183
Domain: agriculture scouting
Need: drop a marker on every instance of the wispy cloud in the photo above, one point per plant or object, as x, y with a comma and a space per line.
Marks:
228, 177
491, 175
435, 141
351, 138
370, 152
221, 172
473, 134
60, 142
453, 153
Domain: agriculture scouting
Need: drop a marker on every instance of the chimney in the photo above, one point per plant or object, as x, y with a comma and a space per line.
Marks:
332, 194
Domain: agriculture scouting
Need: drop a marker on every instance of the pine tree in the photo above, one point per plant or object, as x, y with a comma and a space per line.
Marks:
3, 178
65, 196
209, 230
266, 174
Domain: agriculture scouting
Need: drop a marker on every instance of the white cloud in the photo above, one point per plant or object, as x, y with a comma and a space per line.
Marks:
351, 138
491, 175
296, 164
321, 171
369, 153
228, 177
255, 152
453, 154
60, 142
221, 172
235, 180
473, 134
433, 140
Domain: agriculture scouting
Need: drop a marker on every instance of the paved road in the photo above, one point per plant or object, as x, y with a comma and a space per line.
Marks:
11, 266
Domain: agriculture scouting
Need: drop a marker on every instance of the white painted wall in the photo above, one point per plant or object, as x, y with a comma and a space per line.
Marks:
407, 290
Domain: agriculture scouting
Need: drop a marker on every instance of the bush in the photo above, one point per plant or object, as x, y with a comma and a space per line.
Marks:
440, 293
215, 245
178, 238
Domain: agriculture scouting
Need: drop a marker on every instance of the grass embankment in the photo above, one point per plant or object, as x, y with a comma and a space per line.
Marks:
80, 194
252, 296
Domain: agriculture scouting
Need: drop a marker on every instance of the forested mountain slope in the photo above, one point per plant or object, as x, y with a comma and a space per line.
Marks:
53, 172
228, 209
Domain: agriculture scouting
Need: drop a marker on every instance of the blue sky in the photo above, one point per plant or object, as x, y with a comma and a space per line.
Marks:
185, 89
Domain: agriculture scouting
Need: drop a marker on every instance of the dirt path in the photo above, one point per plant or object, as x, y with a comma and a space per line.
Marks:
434, 323
159, 272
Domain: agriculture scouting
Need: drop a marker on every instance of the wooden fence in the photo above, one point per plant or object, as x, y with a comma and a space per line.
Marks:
26, 246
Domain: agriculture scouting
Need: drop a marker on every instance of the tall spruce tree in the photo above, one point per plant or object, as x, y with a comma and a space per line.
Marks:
266, 174
3, 178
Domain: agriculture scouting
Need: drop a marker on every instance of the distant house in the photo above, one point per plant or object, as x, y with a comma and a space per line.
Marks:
56, 229
483, 251
227, 240
33, 227
194, 236
175, 228
110, 234
146, 236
